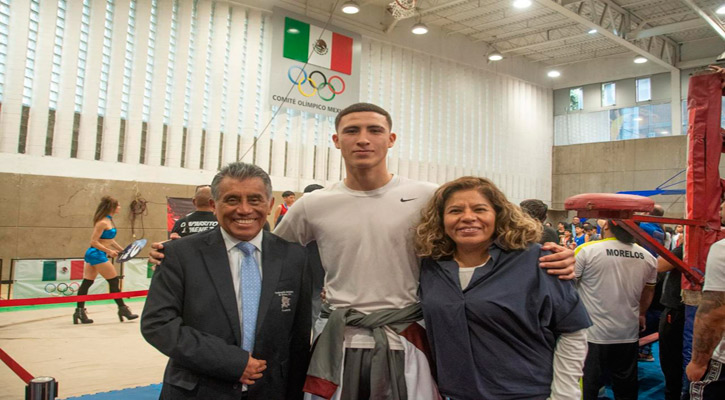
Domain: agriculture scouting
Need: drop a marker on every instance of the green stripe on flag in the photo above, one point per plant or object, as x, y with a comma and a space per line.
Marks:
296, 39
50, 269
149, 270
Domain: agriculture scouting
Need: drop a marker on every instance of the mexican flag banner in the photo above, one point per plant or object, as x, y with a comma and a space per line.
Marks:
48, 270
326, 49
51, 278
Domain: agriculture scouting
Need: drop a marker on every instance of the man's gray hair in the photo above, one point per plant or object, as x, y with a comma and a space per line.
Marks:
240, 171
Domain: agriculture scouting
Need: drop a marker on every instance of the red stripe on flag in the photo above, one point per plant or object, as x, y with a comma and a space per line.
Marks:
341, 57
76, 269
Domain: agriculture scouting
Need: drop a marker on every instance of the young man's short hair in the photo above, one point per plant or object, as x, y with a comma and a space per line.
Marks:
535, 208
363, 107
620, 233
288, 193
311, 188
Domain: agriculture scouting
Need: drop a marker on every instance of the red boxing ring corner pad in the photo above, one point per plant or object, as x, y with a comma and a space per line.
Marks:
608, 205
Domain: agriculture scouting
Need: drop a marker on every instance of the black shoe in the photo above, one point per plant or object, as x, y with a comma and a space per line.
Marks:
80, 315
125, 312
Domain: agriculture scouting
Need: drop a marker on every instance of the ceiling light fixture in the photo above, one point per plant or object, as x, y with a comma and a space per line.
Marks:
522, 3
592, 31
720, 10
640, 60
495, 56
554, 74
419, 29
350, 7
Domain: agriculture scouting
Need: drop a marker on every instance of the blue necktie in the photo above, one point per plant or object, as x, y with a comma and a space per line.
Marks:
250, 286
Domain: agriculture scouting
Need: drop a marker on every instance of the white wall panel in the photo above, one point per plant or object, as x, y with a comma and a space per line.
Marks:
154, 140
216, 71
38, 118
65, 112
111, 135
89, 112
14, 71
175, 135
194, 132
236, 37
132, 142
451, 118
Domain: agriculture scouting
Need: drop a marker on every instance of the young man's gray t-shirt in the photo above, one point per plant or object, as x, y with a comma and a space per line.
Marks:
365, 239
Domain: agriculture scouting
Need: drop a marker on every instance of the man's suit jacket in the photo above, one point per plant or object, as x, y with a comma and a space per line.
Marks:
191, 316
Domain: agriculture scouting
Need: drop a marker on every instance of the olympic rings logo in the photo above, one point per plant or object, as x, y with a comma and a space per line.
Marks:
318, 84
62, 288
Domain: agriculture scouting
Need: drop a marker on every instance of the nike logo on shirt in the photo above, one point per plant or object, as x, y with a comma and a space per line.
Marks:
402, 200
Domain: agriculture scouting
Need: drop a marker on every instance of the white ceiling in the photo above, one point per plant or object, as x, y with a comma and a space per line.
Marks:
555, 32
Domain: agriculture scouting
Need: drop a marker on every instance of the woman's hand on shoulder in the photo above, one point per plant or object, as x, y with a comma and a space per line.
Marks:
560, 262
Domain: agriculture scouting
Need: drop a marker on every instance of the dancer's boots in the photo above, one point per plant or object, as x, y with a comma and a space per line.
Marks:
125, 312
80, 315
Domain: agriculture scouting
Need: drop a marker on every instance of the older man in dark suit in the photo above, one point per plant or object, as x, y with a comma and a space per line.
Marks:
231, 306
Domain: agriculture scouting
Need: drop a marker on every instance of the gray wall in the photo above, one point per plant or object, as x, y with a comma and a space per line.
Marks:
610, 167
52, 217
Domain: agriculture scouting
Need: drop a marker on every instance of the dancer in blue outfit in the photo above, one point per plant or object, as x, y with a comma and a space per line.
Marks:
97, 260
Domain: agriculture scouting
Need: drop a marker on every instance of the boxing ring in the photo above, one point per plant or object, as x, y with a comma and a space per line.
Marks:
704, 194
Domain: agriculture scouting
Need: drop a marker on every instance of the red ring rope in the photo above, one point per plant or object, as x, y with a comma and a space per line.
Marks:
15, 367
71, 299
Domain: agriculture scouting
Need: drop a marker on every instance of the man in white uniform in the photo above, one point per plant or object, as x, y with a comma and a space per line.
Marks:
616, 283
705, 370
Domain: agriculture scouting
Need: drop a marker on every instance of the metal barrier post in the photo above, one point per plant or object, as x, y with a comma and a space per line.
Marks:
42, 388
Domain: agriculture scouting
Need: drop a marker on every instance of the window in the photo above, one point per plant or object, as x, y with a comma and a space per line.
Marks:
225, 79
190, 66
149, 64
4, 32
128, 59
608, 95
644, 89
57, 51
170, 64
30, 53
207, 73
106, 58
576, 99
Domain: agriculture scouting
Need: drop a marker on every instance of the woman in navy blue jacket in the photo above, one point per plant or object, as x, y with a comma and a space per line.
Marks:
500, 327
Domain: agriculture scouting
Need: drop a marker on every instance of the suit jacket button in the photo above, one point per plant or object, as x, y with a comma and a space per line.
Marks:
236, 386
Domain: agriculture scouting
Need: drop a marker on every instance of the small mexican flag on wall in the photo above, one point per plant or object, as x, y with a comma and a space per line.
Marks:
328, 49
49, 270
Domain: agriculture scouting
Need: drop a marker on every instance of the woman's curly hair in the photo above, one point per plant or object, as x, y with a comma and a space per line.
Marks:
514, 229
